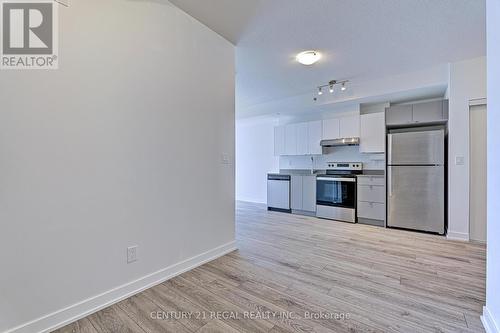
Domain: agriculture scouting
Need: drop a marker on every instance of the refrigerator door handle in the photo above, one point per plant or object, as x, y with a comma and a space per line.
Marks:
389, 149
389, 182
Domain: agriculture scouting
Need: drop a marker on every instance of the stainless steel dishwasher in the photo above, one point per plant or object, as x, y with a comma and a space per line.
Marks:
278, 193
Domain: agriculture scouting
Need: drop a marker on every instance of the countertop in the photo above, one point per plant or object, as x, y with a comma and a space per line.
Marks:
303, 172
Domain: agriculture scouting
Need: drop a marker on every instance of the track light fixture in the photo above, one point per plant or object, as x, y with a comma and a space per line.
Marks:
331, 85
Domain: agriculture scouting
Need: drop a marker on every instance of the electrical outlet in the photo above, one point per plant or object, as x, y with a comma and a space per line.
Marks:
131, 254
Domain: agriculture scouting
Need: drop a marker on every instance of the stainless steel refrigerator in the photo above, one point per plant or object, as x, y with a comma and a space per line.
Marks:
416, 179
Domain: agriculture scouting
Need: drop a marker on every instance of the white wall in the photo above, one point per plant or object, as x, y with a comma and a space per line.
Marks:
467, 82
121, 146
491, 315
254, 158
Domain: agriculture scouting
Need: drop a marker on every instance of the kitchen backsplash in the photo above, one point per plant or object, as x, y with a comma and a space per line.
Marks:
335, 154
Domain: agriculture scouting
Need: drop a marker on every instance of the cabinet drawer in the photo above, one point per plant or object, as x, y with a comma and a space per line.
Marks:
371, 180
371, 193
371, 210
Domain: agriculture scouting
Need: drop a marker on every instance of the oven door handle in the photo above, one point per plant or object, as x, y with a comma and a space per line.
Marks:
331, 179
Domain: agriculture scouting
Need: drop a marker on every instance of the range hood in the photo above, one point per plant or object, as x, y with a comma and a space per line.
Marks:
340, 142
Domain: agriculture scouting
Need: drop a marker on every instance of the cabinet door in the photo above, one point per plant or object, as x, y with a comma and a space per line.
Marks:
302, 139
309, 193
372, 133
399, 115
349, 127
428, 112
291, 139
279, 140
315, 132
331, 129
296, 192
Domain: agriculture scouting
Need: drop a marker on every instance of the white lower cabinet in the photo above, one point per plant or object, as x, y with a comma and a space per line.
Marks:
371, 200
371, 210
371, 193
309, 193
296, 192
303, 193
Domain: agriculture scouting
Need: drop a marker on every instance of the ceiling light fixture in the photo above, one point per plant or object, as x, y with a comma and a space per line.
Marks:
308, 57
331, 85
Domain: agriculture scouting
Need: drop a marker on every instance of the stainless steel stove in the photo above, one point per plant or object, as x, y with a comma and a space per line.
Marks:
336, 191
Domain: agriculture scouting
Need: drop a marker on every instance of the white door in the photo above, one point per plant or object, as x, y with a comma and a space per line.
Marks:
477, 200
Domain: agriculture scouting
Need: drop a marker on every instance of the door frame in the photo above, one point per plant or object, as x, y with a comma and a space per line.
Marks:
472, 103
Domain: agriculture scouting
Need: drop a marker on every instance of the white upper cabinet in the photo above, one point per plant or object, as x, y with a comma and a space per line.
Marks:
315, 133
305, 138
372, 133
349, 127
279, 140
302, 139
291, 139
331, 129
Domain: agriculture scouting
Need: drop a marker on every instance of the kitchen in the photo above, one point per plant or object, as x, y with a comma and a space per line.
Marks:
384, 166
250, 166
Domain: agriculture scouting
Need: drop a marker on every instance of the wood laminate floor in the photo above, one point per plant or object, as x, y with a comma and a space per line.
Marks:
302, 274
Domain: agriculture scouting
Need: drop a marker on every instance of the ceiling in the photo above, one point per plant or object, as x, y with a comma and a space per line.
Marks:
360, 39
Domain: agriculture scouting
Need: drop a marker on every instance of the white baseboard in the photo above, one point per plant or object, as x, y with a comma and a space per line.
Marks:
462, 236
252, 200
86, 307
490, 326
